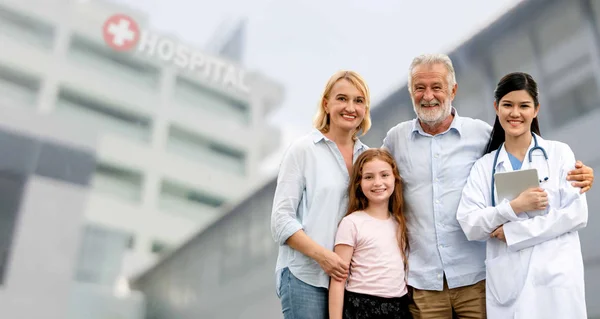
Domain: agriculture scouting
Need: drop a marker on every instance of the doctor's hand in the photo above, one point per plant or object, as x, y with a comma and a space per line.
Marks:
583, 177
499, 233
531, 199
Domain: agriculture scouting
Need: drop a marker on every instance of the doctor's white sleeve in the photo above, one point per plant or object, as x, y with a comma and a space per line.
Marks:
475, 214
288, 193
570, 216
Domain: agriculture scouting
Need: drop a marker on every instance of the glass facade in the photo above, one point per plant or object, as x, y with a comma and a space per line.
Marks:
118, 182
192, 95
18, 89
185, 201
82, 109
204, 150
97, 57
100, 255
25, 29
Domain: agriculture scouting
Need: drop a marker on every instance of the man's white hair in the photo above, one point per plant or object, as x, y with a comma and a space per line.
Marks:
430, 59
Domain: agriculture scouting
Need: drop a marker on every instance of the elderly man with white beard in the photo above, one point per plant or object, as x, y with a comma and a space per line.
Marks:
435, 153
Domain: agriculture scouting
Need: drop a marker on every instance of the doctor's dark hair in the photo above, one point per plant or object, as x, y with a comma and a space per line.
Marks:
515, 81
357, 200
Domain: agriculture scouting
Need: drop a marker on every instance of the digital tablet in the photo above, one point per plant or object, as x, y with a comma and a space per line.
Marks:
510, 184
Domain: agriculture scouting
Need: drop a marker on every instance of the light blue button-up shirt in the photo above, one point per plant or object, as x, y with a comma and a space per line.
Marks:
435, 170
311, 194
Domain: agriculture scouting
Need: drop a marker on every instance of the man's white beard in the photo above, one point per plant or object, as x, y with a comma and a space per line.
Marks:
431, 117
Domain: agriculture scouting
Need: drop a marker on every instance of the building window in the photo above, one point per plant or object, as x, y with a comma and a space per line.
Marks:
575, 100
159, 247
118, 182
177, 198
87, 110
514, 52
199, 148
595, 6
557, 31
122, 67
100, 254
18, 88
131, 241
474, 88
11, 192
557, 24
25, 28
190, 94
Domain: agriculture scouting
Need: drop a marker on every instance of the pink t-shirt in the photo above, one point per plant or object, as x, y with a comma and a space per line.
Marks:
376, 267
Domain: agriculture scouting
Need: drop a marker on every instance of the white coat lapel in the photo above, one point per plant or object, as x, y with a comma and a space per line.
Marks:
503, 164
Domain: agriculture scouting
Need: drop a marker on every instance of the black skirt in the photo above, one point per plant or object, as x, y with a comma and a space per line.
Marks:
362, 306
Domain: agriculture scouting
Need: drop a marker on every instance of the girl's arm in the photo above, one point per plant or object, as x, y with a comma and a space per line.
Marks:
336, 288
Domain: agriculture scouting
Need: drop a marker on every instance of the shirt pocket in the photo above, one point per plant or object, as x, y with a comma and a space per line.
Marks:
505, 278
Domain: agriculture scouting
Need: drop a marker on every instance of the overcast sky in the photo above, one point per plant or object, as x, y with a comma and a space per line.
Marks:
302, 42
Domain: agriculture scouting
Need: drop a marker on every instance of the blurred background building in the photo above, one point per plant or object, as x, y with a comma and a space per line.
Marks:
227, 271
41, 211
172, 147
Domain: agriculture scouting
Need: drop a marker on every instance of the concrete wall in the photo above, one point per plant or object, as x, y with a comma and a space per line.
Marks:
44, 173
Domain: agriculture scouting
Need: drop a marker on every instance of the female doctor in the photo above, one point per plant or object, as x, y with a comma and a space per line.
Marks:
534, 263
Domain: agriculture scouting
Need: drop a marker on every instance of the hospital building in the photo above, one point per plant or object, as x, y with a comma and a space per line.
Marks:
140, 150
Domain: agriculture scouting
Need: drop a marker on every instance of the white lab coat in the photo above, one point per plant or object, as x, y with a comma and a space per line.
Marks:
538, 272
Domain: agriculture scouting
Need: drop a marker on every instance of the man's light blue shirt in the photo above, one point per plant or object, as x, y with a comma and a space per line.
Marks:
435, 170
311, 195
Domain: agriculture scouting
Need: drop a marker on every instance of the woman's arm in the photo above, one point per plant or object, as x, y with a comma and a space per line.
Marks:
336, 288
288, 194
570, 216
285, 227
331, 262
477, 219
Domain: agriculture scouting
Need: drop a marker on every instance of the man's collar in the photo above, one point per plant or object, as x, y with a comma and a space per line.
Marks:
456, 124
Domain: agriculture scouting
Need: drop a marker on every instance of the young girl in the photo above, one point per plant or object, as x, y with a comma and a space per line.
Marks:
372, 239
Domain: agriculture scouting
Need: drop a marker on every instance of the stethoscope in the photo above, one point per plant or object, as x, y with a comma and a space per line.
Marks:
529, 155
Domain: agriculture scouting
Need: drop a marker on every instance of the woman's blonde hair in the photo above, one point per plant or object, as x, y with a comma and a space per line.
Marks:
321, 120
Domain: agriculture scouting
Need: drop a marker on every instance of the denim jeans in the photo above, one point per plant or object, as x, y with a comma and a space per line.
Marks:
300, 300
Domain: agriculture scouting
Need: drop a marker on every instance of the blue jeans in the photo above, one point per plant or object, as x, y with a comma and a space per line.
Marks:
300, 300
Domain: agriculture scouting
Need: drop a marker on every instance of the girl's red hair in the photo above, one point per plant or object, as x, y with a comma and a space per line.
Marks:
358, 201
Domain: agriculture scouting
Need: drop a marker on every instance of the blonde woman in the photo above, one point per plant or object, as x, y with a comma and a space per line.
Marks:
310, 198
